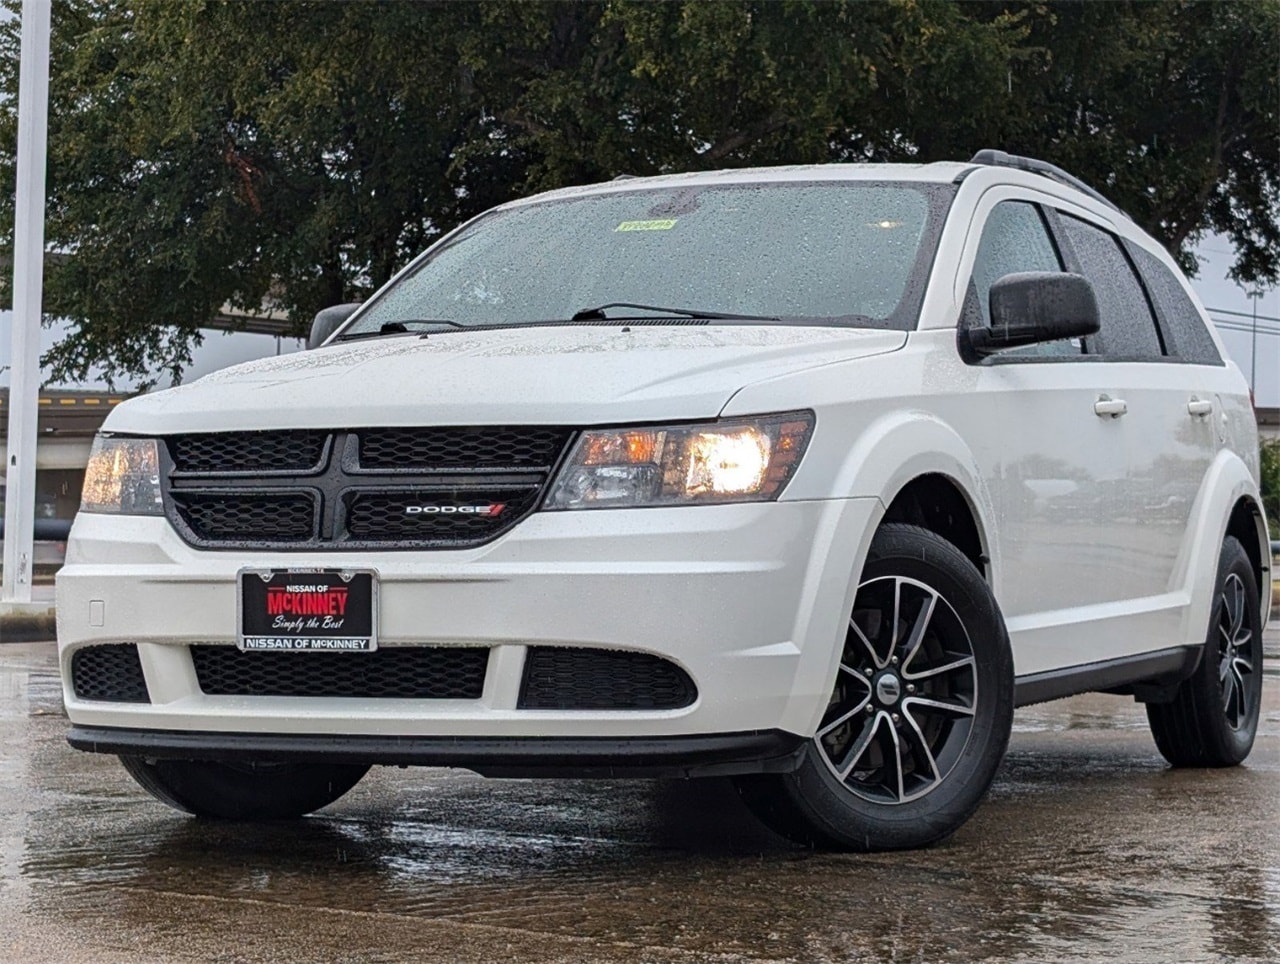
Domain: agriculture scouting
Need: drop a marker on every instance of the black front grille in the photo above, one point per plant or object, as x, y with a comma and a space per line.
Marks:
404, 672
112, 673
432, 516
557, 678
373, 488
262, 518
247, 451
461, 448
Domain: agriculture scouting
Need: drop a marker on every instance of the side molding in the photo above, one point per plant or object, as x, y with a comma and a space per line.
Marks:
1148, 673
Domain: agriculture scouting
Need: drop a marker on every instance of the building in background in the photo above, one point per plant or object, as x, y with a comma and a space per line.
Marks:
67, 423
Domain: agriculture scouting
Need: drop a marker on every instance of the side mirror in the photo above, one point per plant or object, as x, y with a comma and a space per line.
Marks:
327, 322
1032, 307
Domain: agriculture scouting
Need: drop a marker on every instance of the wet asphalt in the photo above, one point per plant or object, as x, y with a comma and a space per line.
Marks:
1088, 848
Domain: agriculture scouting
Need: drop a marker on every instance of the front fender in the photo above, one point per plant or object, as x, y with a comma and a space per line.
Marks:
896, 448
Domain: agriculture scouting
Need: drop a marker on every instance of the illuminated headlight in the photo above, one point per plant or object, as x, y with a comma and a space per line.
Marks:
123, 477
739, 460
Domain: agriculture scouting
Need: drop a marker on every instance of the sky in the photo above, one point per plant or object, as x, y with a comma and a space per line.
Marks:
1215, 289
1219, 293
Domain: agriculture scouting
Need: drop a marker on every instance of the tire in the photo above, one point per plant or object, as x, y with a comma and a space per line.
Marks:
1213, 717
248, 791
920, 711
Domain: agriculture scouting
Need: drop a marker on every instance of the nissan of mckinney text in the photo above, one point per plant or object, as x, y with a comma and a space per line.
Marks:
802, 476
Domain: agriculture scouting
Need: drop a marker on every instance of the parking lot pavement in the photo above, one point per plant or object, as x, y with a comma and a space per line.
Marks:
1088, 848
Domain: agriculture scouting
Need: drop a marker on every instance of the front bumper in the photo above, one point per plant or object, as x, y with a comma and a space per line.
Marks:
750, 600
678, 756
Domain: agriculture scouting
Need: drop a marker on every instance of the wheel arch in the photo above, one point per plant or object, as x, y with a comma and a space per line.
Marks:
1228, 504
934, 501
1249, 526
924, 474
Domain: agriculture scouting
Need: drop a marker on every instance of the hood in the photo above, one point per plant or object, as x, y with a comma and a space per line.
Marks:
572, 375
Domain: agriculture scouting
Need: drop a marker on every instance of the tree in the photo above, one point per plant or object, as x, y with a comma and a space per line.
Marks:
1269, 476
299, 152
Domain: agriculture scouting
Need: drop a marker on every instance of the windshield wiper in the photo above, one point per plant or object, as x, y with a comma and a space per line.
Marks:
399, 328
598, 313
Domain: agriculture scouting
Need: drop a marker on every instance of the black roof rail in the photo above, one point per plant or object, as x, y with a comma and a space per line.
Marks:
993, 158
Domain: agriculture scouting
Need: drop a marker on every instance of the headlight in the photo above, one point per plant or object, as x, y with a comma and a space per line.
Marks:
738, 460
123, 476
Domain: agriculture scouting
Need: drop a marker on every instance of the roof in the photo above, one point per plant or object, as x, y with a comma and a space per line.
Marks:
939, 172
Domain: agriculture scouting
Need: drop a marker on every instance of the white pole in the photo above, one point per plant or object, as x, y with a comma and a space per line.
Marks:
28, 277
1253, 352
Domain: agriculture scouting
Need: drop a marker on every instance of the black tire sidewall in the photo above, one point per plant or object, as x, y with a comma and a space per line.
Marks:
244, 792
1225, 744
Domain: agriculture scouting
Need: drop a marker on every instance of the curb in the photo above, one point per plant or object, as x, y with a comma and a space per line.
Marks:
28, 627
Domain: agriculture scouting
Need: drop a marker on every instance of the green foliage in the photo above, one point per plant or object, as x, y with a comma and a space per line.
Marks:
1269, 451
299, 152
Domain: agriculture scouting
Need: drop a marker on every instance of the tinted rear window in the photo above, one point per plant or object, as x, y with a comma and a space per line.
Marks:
1128, 328
1186, 336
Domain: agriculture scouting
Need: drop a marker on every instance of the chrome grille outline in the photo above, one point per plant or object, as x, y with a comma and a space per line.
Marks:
339, 477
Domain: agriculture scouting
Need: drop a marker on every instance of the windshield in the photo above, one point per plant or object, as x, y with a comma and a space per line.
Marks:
833, 252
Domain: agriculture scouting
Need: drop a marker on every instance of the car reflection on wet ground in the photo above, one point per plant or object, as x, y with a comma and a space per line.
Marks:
1088, 847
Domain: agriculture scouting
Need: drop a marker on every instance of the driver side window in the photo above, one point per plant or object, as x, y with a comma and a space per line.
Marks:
1014, 239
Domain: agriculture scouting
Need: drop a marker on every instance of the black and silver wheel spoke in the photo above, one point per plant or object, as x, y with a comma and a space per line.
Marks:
939, 707
1236, 658
1234, 594
905, 693
920, 748
843, 718
855, 753
963, 663
873, 657
918, 629
1228, 691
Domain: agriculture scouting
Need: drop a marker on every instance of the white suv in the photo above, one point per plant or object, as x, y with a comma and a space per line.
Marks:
807, 476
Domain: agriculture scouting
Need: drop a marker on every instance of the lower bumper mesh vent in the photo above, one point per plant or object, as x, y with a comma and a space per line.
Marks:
403, 672
558, 678
111, 673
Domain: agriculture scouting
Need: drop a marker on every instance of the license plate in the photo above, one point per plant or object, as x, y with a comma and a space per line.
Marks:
308, 610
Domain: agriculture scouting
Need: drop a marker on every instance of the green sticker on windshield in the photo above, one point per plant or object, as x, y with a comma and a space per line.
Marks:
663, 224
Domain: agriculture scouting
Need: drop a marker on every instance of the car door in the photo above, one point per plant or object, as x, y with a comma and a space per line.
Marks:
1170, 438
1054, 460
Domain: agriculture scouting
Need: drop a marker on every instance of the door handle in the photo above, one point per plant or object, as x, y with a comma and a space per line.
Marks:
1109, 407
1199, 407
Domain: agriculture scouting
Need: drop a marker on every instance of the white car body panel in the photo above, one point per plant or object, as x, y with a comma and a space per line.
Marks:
531, 376
1086, 562
756, 602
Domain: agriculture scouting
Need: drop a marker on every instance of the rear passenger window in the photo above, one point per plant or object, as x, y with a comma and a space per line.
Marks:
1128, 329
1015, 239
1185, 334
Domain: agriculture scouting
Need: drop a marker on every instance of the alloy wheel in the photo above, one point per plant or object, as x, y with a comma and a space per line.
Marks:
1236, 658
903, 705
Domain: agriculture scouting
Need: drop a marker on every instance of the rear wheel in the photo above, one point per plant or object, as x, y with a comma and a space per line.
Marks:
1213, 717
920, 710
243, 791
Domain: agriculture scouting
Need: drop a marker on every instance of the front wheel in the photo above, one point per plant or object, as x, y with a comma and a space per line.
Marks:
920, 710
243, 791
